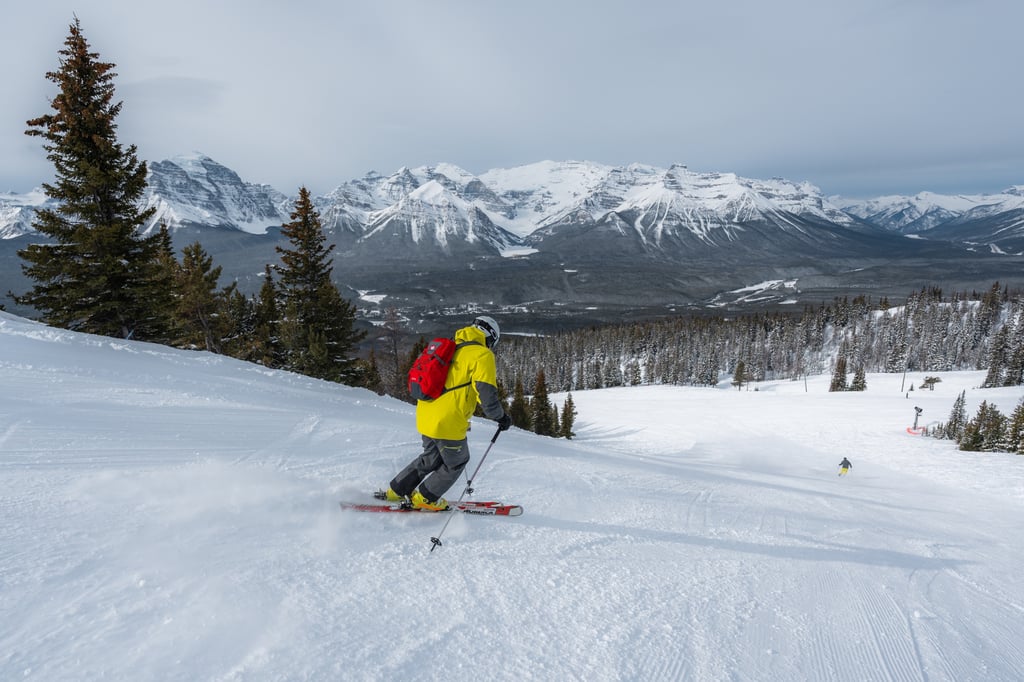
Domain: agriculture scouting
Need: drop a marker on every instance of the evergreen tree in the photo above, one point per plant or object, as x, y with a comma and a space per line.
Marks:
860, 381
519, 410
238, 324
202, 311
319, 335
161, 291
371, 374
954, 429
997, 359
96, 274
839, 375
1015, 430
994, 430
739, 377
984, 433
265, 347
540, 407
568, 417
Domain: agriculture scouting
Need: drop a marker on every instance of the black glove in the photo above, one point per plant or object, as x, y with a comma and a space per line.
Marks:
505, 422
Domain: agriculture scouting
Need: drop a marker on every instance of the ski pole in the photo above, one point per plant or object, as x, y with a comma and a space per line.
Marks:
435, 541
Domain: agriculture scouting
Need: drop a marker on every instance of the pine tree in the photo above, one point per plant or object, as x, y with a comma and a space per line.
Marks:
96, 274
739, 377
954, 429
997, 359
984, 433
568, 417
202, 319
519, 410
839, 375
319, 334
160, 290
972, 437
860, 382
371, 374
540, 407
1015, 430
265, 347
238, 323
994, 430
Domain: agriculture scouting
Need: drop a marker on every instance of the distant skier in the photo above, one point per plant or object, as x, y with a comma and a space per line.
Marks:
844, 467
443, 422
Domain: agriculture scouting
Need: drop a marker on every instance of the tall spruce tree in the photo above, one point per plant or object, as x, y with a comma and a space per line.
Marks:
265, 346
839, 374
860, 381
96, 274
318, 330
739, 377
568, 417
540, 407
519, 409
202, 312
954, 428
1015, 430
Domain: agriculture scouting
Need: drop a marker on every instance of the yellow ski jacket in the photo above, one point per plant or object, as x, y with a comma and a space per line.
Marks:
447, 417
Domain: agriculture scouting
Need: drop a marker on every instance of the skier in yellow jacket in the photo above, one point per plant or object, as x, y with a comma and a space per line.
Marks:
444, 421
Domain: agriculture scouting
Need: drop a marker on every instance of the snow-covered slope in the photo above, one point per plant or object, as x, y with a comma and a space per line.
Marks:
173, 515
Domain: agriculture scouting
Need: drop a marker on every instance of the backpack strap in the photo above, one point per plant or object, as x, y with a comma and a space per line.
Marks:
457, 347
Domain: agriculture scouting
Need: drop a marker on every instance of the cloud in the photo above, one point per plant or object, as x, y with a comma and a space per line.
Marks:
875, 96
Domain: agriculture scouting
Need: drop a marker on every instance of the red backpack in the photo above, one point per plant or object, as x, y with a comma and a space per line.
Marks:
430, 370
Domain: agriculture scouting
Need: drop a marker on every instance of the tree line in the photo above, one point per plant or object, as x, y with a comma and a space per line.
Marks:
988, 431
928, 332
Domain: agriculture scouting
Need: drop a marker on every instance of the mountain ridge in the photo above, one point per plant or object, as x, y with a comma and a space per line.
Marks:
571, 237
195, 190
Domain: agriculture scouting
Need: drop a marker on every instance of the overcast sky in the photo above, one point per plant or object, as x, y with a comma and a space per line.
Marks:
861, 98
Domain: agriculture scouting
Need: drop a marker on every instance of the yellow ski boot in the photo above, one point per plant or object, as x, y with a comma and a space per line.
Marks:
422, 503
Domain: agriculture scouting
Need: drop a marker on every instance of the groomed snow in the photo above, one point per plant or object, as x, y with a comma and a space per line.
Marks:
173, 515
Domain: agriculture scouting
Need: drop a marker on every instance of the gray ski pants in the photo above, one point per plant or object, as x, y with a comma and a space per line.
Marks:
436, 470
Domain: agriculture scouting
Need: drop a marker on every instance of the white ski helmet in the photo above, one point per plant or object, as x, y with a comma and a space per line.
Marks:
490, 329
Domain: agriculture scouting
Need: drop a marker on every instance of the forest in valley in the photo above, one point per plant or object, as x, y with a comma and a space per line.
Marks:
847, 338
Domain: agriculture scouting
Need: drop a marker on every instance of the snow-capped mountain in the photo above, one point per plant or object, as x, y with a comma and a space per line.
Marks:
533, 203
196, 190
433, 218
550, 194
994, 221
18, 210
911, 215
579, 231
672, 211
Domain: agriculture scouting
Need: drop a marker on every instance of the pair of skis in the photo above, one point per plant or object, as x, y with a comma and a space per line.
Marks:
482, 508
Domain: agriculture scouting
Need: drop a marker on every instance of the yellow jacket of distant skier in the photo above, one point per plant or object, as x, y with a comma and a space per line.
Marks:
447, 417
